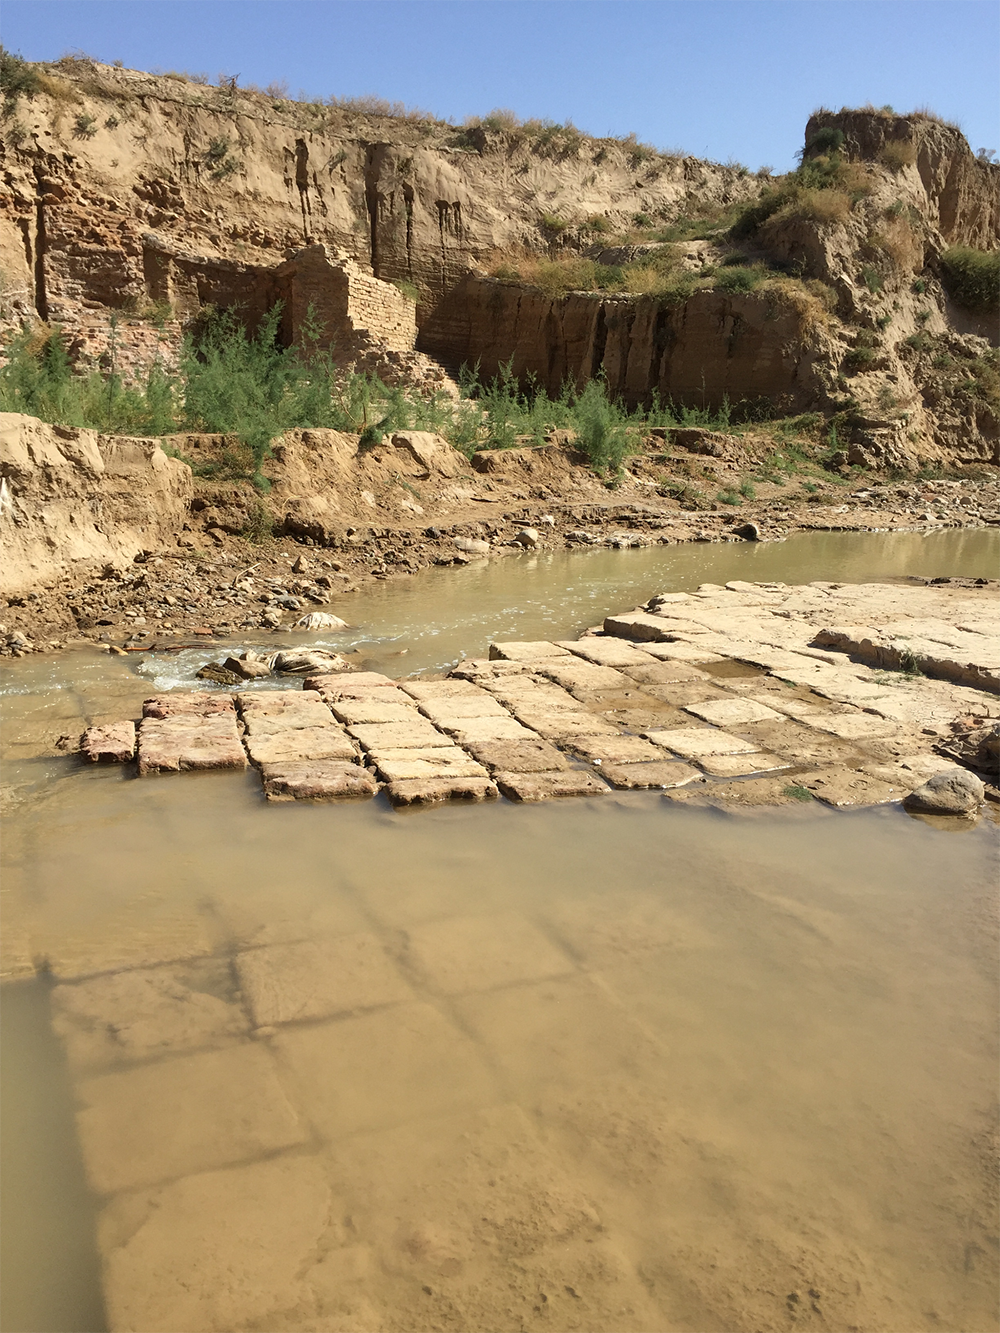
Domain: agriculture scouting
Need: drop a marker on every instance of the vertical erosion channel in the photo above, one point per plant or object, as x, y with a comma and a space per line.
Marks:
371, 201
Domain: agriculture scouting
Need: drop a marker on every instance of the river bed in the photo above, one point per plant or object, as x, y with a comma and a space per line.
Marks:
613, 1064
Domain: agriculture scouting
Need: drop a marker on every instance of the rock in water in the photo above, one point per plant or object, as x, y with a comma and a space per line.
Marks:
248, 666
748, 531
220, 674
472, 546
528, 537
320, 620
952, 793
307, 662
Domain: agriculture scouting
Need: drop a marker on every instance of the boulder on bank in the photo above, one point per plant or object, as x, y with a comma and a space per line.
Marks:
956, 792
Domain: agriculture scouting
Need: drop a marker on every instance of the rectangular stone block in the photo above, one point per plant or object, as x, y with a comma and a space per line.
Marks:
338, 680
431, 790
739, 765
474, 953
287, 983
481, 704
316, 780
608, 652
681, 651
440, 689
664, 673
662, 774
112, 744
847, 786
382, 1069
576, 674
852, 726
560, 726
541, 694
144, 1012
200, 703
468, 729
637, 625
353, 712
692, 742
299, 744
188, 741
544, 786
219, 1250
733, 712
415, 734
526, 652
615, 749
442, 762
192, 1113
524, 756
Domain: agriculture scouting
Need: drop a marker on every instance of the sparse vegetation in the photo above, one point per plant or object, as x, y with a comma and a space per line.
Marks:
898, 153
84, 126
972, 278
17, 79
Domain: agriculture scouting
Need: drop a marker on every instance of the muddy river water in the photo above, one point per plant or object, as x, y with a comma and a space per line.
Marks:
596, 1065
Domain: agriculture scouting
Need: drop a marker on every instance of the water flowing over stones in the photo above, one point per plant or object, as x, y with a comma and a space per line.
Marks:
706, 696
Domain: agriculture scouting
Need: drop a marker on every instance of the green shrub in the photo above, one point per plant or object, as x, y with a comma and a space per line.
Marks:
872, 277
602, 428
739, 279
84, 126
409, 290
827, 139
17, 79
972, 278
728, 497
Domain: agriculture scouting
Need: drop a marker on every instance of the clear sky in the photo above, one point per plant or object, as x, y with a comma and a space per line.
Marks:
717, 78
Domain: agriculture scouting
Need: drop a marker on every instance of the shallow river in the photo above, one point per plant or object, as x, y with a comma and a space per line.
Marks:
594, 1065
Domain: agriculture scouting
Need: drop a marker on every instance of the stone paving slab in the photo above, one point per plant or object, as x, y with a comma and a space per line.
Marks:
576, 674
287, 983
146, 1012
482, 704
440, 689
615, 749
187, 741
681, 651
468, 729
528, 690
381, 1069
847, 787
300, 744
608, 652
731, 712
561, 726
440, 762
316, 780
189, 1113
208, 1253
739, 765
354, 712
544, 786
416, 734
483, 670
664, 673
474, 953
201, 703
693, 742
526, 652
664, 773
521, 756
852, 726
431, 790
111, 744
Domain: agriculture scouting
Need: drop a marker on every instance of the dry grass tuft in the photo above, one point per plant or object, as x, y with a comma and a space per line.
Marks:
901, 243
897, 154
58, 89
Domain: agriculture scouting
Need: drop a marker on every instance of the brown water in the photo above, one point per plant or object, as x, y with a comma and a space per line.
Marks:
594, 1065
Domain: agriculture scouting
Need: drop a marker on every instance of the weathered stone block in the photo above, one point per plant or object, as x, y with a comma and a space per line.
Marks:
526, 652
471, 953
301, 743
733, 712
543, 786
441, 762
523, 756
616, 749
692, 742
284, 983
468, 729
562, 726
416, 733
133, 1015
189, 741
192, 1113
112, 744
662, 774
429, 790
316, 780
383, 1069
739, 765
356, 711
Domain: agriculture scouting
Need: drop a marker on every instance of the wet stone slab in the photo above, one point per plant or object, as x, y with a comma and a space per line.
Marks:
316, 780
637, 776
183, 742
431, 790
545, 786
111, 744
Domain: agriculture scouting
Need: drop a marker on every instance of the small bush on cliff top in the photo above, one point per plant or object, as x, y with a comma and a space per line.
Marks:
17, 79
972, 278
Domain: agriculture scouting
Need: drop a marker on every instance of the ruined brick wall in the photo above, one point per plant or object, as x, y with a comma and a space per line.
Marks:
354, 309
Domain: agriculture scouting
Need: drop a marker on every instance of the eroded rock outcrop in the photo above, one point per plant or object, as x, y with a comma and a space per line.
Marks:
79, 499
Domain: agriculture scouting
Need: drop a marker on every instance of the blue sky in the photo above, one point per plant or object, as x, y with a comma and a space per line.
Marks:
718, 78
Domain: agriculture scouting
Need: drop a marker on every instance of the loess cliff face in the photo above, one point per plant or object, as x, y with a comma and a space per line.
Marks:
108, 170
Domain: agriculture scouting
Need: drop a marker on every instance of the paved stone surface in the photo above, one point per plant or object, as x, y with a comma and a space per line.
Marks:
616, 749
430, 790
184, 742
731, 712
528, 691
473, 953
355, 711
440, 689
439, 762
609, 652
522, 756
739, 765
665, 673
847, 786
286, 983
469, 729
575, 674
544, 786
693, 742
128, 1016
316, 780
526, 652
300, 743
382, 1068
562, 726
112, 744
416, 734
192, 1113
661, 774
851, 726
221, 1250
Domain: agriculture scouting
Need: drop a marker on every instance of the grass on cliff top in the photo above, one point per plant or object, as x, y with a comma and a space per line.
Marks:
250, 388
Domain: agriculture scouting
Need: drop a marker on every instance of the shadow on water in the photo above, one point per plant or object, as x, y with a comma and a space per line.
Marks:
49, 1271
